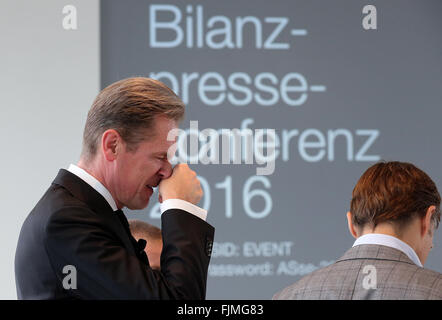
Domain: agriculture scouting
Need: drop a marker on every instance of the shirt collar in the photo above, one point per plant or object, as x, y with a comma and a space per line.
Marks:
94, 183
389, 241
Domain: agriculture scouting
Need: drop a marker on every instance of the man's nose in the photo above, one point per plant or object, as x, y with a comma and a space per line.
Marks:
166, 170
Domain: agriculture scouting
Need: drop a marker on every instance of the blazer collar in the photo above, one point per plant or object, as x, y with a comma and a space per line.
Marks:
375, 252
82, 191
95, 201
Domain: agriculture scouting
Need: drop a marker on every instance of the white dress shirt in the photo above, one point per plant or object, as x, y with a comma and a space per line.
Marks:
389, 241
165, 205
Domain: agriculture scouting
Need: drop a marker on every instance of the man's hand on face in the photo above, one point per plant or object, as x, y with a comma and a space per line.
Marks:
182, 184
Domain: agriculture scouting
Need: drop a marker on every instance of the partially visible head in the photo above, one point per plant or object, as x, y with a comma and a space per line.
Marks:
152, 235
125, 136
397, 197
130, 107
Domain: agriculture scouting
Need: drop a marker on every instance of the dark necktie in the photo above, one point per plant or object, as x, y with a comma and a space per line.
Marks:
138, 245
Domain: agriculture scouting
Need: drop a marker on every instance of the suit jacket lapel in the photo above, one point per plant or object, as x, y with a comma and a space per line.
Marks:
95, 201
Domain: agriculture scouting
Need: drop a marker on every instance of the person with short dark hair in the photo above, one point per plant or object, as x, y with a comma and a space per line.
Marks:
76, 242
150, 237
394, 212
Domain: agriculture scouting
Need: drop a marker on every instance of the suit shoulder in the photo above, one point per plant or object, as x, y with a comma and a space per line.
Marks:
430, 273
427, 280
58, 198
296, 290
53, 204
58, 208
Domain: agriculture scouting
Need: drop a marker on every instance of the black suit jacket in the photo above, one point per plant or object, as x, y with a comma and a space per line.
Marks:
73, 225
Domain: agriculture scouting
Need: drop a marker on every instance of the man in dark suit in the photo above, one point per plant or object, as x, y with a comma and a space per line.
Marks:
394, 212
76, 242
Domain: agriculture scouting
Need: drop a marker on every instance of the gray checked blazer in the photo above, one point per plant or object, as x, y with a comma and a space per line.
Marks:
390, 275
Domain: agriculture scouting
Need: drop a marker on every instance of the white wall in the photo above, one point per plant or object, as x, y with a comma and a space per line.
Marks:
48, 80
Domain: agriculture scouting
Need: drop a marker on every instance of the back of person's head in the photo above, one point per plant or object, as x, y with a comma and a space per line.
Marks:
393, 192
153, 237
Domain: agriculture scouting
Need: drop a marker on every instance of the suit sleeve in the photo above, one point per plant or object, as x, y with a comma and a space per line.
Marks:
105, 269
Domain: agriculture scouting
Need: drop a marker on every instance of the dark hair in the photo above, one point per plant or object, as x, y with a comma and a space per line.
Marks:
394, 192
129, 106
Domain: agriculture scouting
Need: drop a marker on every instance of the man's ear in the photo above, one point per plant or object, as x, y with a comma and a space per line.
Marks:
426, 220
351, 227
110, 144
